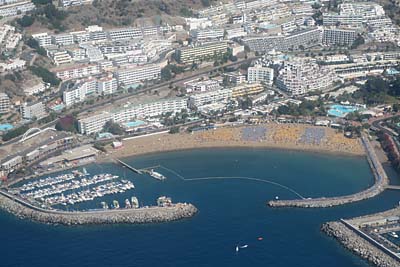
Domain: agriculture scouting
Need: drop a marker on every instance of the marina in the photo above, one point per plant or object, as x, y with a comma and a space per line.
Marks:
71, 188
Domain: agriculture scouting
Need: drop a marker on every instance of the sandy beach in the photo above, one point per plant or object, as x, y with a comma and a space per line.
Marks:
278, 136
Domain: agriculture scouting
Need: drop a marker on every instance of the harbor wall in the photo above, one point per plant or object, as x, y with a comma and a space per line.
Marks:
143, 215
381, 181
358, 245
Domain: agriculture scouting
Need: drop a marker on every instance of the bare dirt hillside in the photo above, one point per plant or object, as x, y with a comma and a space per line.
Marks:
111, 13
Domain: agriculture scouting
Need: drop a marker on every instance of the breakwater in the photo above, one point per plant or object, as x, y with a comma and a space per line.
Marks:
381, 181
358, 245
143, 215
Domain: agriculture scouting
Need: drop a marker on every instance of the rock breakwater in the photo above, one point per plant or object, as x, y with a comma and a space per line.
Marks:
358, 245
120, 216
381, 181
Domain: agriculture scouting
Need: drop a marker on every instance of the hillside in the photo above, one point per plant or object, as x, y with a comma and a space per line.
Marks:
111, 13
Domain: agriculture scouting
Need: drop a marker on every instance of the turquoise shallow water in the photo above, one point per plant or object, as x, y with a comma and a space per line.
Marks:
231, 212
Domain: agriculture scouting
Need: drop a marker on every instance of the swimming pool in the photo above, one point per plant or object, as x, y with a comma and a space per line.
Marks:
341, 110
5, 127
58, 107
133, 123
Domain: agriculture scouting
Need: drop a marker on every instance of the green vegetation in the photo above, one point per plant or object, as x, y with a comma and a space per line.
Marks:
46, 75
378, 90
392, 9
35, 45
114, 128
186, 12
100, 146
357, 42
170, 71
46, 13
15, 133
205, 3
306, 108
26, 21
174, 130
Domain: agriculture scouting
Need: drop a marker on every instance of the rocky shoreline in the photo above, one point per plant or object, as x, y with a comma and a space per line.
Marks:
121, 216
358, 245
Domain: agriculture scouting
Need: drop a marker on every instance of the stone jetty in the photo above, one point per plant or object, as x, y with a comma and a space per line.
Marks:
117, 216
381, 181
358, 245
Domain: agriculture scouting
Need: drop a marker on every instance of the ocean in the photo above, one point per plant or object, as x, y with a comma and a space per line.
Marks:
231, 212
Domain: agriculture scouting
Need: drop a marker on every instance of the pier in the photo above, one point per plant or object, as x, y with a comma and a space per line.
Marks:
381, 183
393, 187
126, 165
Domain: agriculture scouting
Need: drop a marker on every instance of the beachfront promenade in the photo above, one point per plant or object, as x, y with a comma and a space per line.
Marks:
24, 209
381, 182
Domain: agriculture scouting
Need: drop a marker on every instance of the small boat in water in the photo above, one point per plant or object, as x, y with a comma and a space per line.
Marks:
237, 248
157, 175
394, 234
244, 246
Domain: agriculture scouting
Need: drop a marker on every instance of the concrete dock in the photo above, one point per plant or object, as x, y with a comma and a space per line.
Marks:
126, 165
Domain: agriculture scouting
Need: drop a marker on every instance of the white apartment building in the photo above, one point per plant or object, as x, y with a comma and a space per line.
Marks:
209, 34
198, 23
81, 36
77, 53
11, 163
35, 89
60, 57
9, 38
68, 3
200, 99
204, 52
33, 110
235, 33
333, 19
80, 91
364, 9
125, 34
4, 103
63, 39
89, 87
258, 74
77, 71
305, 38
13, 64
235, 77
151, 109
5, 2
296, 40
93, 53
43, 39
150, 31
300, 77
93, 124
336, 36
264, 43
202, 86
107, 85
16, 8
137, 74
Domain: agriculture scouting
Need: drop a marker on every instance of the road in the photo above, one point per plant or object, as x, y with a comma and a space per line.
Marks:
124, 97
164, 84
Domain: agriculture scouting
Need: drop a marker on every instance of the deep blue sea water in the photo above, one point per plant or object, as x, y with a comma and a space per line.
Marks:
231, 212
